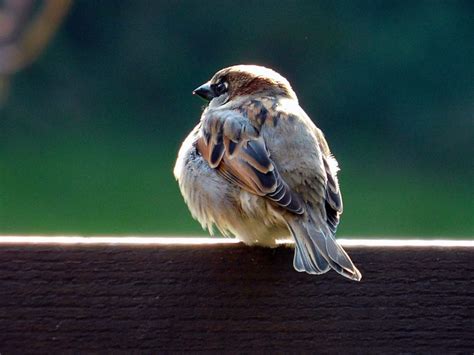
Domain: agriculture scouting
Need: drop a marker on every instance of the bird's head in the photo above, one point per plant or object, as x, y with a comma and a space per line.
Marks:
244, 80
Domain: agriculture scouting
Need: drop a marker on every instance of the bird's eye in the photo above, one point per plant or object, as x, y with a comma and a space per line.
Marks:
220, 88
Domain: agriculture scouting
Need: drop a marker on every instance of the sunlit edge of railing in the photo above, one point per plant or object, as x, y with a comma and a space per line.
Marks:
177, 240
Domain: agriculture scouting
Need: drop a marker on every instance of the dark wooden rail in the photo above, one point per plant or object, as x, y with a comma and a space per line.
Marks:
174, 298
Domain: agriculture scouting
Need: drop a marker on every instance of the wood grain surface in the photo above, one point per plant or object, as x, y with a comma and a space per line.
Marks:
232, 298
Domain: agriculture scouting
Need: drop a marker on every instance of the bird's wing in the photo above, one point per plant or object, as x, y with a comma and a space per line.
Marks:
332, 194
301, 148
332, 198
298, 145
235, 148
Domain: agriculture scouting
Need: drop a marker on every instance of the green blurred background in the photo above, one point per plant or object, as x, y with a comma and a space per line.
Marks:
89, 132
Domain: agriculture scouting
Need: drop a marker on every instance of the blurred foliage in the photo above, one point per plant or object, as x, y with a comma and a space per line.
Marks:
89, 133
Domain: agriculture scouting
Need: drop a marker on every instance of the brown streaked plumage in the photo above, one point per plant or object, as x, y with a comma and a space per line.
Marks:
258, 168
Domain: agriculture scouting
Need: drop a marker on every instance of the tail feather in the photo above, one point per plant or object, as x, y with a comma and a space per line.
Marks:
317, 250
307, 258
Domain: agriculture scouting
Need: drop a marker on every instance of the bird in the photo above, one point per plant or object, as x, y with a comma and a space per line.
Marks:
258, 168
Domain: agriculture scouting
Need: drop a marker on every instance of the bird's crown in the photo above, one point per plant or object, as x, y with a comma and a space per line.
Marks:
244, 80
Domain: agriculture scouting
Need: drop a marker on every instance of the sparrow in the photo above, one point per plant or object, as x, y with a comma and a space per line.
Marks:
258, 168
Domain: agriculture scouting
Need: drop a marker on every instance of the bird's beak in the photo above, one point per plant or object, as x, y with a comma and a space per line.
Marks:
205, 91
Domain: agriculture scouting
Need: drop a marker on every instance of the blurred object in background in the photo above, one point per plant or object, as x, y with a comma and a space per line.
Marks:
26, 27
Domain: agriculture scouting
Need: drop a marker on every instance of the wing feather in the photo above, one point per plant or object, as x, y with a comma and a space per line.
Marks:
244, 160
332, 198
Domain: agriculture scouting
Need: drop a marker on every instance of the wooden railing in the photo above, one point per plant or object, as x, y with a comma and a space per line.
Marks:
153, 295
